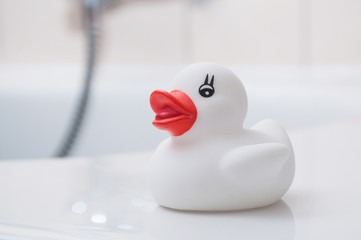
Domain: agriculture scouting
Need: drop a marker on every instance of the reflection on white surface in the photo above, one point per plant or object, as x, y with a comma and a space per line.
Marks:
125, 227
272, 222
79, 207
99, 218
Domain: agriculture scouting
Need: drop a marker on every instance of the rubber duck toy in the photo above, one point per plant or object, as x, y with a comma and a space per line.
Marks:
210, 162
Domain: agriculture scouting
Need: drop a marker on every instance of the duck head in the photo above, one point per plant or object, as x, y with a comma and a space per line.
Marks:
207, 99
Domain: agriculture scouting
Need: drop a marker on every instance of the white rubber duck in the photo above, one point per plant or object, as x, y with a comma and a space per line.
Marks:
211, 163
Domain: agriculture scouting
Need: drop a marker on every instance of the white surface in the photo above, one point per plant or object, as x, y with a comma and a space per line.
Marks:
107, 198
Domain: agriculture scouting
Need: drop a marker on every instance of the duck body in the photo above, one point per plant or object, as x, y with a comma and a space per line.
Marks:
222, 167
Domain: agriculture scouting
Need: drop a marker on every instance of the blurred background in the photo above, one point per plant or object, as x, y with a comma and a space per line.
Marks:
300, 61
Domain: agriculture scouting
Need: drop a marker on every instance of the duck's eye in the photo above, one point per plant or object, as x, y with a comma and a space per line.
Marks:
206, 89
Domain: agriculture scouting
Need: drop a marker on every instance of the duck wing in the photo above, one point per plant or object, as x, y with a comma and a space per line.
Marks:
259, 162
274, 130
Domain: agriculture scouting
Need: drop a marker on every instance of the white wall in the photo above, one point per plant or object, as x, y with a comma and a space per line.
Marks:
175, 31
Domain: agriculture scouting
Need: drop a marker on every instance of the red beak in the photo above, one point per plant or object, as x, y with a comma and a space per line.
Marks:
175, 111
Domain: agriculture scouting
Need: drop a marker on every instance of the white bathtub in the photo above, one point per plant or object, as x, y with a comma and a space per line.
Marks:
36, 103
